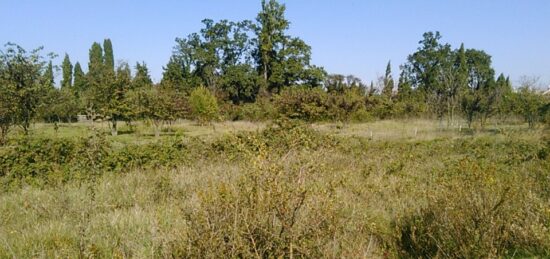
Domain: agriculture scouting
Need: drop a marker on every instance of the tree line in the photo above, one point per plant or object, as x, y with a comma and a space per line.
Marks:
257, 70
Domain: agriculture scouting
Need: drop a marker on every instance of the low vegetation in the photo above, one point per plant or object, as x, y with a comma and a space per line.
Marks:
285, 190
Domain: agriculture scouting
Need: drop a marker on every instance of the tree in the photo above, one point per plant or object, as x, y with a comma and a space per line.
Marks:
67, 68
142, 78
108, 59
427, 68
79, 78
503, 96
59, 105
156, 105
204, 58
48, 80
8, 103
270, 32
113, 104
95, 63
173, 76
240, 83
480, 97
457, 83
21, 75
282, 60
336, 83
529, 102
95, 92
387, 91
204, 106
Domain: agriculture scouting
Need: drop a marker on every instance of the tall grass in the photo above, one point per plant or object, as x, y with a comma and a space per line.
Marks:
290, 191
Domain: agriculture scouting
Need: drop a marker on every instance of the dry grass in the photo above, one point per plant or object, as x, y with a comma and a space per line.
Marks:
357, 198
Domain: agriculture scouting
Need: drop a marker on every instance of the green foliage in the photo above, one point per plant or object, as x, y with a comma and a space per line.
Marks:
241, 83
475, 212
142, 78
204, 106
309, 104
67, 67
79, 79
529, 104
21, 74
108, 57
59, 105
48, 80
387, 91
173, 76
282, 60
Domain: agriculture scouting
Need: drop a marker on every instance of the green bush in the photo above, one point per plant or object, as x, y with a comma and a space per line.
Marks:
475, 212
51, 162
204, 105
309, 104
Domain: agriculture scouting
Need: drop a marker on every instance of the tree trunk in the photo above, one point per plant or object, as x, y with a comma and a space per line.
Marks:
114, 131
157, 125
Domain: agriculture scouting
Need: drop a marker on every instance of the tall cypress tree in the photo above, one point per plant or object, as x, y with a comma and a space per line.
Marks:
109, 59
47, 78
95, 64
388, 82
67, 68
79, 78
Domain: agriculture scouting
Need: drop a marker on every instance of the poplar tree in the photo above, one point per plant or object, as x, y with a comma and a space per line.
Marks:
388, 82
48, 80
67, 67
108, 59
79, 78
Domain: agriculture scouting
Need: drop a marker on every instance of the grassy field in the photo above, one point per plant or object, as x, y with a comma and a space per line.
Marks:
384, 189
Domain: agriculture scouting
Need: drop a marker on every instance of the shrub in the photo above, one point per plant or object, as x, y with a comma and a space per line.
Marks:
475, 213
204, 105
279, 207
309, 104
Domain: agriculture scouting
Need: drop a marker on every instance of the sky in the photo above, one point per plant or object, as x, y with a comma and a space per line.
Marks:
354, 37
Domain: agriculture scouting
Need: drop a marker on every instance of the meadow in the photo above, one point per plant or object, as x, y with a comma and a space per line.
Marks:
385, 189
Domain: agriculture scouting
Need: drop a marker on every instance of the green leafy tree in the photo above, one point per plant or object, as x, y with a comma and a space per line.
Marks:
79, 79
67, 69
173, 76
427, 68
480, 98
270, 32
204, 58
21, 75
142, 78
109, 59
48, 79
204, 105
241, 83
337, 83
7, 103
114, 106
282, 60
59, 106
529, 103
156, 105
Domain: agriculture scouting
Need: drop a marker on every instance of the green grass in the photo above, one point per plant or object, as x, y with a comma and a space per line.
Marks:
334, 192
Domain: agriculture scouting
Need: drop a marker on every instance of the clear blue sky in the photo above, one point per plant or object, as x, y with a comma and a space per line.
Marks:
347, 36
